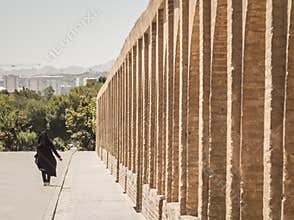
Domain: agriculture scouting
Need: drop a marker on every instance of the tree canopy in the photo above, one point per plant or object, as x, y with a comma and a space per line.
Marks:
67, 118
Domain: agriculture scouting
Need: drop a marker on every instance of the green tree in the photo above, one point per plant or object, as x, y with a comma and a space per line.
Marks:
26, 140
36, 113
68, 118
102, 79
11, 124
48, 92
81, 123
55, 116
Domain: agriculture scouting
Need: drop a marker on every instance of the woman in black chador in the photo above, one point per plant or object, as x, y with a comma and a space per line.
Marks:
44, 158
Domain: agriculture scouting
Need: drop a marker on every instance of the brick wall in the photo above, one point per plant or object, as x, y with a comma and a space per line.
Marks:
151, 203
199, 107
132, 185
112, 165
123, 177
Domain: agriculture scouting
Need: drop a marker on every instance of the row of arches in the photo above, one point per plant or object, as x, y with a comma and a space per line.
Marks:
197, 112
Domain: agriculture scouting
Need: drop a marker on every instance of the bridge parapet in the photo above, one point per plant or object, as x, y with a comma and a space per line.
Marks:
196, 115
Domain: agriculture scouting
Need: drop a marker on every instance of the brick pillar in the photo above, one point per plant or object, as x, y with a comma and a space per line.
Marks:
175, 137
164, 116
104, 127
104, 121
110, 122
118, 115
218, 113
110, 132
275, 69
116, 104
145, 82
123, 117
112, 118
115, 124
152, 109
109, 116
100, 125
160, 100
121, 113
193, 117
130, 104
109, 126
139, 126
99, 122
98, 145
169, 98
107, 102
204, 93
184, 27
252, 121
134, 109
288, 166
234, 77
126, 112
114, 131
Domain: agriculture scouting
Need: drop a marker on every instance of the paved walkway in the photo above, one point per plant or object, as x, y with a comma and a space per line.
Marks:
22, 194
90, 192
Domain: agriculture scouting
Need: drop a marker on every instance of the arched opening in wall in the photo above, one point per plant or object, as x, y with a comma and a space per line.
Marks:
193, 119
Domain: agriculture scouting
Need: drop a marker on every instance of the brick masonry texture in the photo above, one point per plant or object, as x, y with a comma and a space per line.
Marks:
196, 118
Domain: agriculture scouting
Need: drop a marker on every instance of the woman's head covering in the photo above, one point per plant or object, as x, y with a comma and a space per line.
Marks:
43, 138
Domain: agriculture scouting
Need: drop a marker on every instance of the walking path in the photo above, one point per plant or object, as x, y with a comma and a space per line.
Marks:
90, 192
22, 194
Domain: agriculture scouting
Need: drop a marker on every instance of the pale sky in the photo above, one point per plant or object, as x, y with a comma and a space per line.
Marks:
87, 32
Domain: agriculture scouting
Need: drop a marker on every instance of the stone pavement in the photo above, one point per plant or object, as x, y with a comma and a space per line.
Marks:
22, 194
90, 192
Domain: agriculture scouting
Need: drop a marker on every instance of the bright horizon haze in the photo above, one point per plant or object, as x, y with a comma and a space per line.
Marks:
62, 33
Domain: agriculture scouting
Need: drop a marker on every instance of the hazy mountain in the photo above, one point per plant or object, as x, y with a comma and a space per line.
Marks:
53, 70
103, 67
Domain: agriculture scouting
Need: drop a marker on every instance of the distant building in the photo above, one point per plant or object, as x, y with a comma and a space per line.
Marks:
23, 83
89, 81
34, 84
39, 83
1, 82
78, 82
65, 88
11, 82
61, 83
